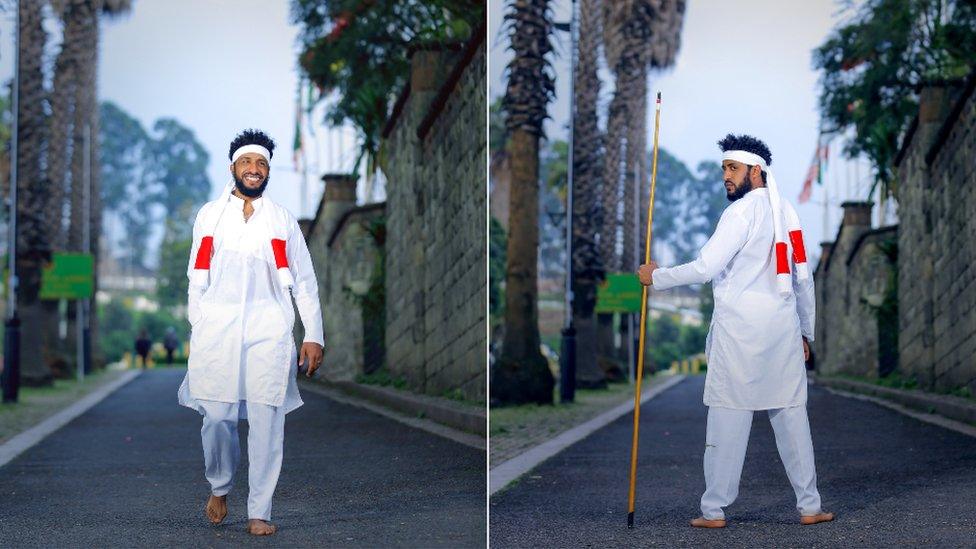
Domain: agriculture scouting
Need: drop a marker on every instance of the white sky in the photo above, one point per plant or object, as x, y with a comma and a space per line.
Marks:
217, 66
743, 67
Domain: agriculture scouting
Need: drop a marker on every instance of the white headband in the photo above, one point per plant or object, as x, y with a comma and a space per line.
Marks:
251, 149
747, 158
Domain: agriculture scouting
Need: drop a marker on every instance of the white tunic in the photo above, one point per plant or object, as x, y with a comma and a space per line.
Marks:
241, 344
754, 347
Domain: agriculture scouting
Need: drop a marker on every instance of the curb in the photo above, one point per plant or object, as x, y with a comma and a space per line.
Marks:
949, 406
25, 440
443, 411
506, 472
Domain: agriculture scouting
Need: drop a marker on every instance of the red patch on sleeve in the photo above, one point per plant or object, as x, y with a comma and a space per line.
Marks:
782, 265
799, 253
204, 253
281, 259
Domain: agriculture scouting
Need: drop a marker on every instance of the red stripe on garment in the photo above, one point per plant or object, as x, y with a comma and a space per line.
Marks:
204, 253
782, 265
799, 253
281, 259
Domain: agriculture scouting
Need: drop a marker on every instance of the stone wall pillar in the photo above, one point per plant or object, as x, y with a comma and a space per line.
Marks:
340, 197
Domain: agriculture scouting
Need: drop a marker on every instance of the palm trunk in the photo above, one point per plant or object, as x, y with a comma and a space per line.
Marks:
587, 264
95, 193
38, 341
523, 373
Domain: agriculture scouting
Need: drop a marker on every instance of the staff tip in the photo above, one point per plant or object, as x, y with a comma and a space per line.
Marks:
658, 97
630, 519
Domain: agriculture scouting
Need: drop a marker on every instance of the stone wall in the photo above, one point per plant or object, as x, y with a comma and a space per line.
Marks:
345, 257
436, 271
852, 279
936, 170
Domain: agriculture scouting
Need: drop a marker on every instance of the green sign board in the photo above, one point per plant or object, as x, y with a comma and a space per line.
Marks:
69, 276
619, 293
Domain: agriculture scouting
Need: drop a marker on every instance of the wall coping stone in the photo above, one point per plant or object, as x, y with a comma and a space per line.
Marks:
952, 407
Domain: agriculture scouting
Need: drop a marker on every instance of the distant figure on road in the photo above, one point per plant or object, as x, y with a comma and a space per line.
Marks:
760, 333
170, 343
248, 260
143, 345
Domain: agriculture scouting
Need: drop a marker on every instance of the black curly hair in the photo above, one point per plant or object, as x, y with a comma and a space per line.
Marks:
747, 143
251, 136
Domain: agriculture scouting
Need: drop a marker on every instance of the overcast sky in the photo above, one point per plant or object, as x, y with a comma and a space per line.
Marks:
743, 67
217, 66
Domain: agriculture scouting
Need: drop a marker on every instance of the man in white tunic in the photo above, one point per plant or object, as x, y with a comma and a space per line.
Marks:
759, 337
248, 261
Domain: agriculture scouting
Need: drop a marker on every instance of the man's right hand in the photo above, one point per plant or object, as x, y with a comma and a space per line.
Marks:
645, 273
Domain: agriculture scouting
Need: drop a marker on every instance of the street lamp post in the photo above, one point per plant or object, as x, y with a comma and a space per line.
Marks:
567, 354
11, 337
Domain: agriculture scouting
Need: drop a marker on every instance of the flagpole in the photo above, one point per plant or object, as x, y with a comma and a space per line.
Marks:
643, 323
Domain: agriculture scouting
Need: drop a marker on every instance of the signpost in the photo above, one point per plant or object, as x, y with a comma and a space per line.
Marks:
72, 276
69, 276
619, 293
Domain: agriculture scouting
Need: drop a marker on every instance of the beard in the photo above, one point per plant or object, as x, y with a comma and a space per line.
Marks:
738, 191
248, 192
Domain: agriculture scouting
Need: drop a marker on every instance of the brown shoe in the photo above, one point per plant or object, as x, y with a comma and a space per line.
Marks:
702, 522
814, 519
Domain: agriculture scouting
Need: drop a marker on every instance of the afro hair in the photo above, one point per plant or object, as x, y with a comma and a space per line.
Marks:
251, 137
746, 143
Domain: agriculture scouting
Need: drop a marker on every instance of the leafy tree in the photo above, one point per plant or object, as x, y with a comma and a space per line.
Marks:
174, 252
687, 207
148, 178
873, 66
179, 165
362, 50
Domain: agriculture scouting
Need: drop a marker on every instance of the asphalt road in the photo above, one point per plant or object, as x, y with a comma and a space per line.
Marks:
129, 472
892, 480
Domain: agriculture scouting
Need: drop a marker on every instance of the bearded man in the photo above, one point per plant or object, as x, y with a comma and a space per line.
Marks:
248, 261
761, 327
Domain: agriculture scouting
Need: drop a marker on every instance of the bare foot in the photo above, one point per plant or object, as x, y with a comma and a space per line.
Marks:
258, 527
816, 519
702, 522
216, 508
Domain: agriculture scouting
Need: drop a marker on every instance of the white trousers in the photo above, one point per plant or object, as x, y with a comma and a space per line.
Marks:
222, 451
726, 438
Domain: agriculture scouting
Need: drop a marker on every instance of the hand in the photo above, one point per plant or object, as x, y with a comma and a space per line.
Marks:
311, 356
806, 350
645, 272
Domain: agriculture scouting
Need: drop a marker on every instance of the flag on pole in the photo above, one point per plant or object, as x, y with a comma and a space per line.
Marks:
812, 174
298, 145
824, 156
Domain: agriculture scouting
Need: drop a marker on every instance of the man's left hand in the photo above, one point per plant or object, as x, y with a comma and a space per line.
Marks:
806, 350
311, 356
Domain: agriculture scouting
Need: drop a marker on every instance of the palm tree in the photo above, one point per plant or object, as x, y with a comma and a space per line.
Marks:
619, 27
75, 15
34, 238
522, 373
638, 35
111, 8
587, 262
661, 51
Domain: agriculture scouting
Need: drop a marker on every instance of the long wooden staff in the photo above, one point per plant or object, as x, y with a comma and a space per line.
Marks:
643, 323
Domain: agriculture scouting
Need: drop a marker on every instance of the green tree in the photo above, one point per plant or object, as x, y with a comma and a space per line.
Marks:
174, 253
873, 66
148, 178
179, 164
362, 51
